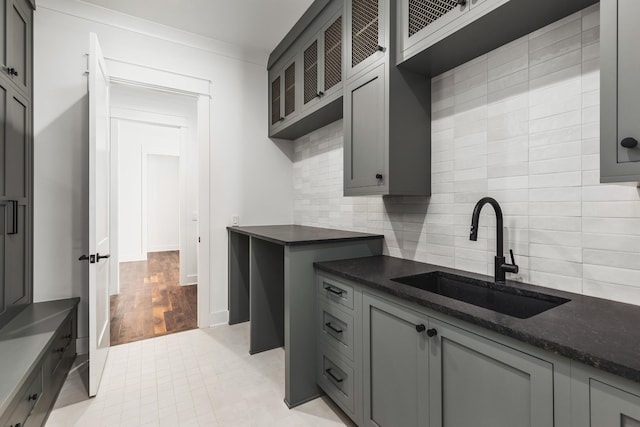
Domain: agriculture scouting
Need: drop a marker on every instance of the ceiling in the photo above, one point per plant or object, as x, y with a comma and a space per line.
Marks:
252, 24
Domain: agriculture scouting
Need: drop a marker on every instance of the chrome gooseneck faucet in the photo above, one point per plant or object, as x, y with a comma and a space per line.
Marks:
500, 266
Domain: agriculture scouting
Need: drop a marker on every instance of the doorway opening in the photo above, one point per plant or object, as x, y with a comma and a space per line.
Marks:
154, 213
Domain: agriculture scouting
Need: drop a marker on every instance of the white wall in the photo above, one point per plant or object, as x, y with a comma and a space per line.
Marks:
250, 175
163, 203
142, 227
520, 124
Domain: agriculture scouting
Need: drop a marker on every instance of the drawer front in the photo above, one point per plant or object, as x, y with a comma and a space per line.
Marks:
336, 292
27, 399
336, 378
59, 347
335, 329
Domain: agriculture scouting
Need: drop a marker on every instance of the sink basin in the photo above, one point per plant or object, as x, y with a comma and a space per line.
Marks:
503, 299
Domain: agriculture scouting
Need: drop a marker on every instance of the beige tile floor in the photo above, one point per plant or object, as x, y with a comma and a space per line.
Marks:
203, 377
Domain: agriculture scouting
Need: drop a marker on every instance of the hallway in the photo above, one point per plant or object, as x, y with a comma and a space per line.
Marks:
151, 302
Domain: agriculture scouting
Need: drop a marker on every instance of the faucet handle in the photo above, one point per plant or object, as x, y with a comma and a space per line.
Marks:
510, 268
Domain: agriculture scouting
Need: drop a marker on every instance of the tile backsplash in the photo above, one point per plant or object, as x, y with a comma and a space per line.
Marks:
520, 124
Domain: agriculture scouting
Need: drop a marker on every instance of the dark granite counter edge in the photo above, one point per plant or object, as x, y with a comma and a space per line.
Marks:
6, 400
604, 364
307, 241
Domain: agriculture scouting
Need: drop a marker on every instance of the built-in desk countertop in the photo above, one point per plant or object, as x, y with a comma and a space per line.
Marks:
272, 284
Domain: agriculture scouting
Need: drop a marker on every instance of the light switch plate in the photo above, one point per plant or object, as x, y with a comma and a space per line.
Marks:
235, 220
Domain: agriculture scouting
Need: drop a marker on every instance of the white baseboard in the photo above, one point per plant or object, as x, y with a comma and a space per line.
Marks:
82, 345
219, 318
163, 248
133, 257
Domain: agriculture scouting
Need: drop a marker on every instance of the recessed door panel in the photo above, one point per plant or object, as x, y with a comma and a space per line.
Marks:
365, 139
628, 72
16, 256
16, 147
19, 44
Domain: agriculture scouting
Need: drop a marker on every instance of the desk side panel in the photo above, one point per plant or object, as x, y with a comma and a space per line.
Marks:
266, 295
299, 314
238, 278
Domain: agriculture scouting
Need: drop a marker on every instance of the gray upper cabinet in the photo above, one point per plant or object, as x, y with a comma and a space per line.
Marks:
364, 152
306, 73
283, 94
15, 52
322, 65
620, 92
437, 35
420, 19
387, 130
367, 27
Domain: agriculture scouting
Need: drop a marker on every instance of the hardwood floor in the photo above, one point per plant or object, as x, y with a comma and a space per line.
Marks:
151, 301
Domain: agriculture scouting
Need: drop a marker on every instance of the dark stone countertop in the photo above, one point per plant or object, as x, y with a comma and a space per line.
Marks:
597, 332
290, 235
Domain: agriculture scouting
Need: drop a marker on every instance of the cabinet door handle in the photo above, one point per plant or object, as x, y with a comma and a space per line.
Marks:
334, 291
629, 143
432, 333
380, 48
462, 3
320, 94
33, 396
333, 328
420, 328
378, 176
13, 211
331, 374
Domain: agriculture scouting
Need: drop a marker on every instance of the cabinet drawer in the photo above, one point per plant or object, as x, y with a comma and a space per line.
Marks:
28, 397
336, 378
336, 292
335, 329
59, 347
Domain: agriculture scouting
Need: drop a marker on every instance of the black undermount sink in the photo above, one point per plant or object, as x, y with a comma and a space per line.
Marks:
497, 297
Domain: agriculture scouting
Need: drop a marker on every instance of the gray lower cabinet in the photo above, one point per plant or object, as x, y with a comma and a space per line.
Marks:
38, 387
619, 91
339, 349
603, 400
396, 360
420, 371
413, 367
471, 372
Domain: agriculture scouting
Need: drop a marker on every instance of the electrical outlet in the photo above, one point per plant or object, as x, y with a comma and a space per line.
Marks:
235, 220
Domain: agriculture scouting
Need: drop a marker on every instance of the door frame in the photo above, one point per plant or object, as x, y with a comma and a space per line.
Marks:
129, 74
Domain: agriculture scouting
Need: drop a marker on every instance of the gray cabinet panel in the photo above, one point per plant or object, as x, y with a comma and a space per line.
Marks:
481, 375
612, 407
395, 366
19, 42
364, 143
17, 147
4, 4
16, 256
628, 71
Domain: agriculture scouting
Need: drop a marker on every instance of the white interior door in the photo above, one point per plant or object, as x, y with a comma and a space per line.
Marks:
99, 169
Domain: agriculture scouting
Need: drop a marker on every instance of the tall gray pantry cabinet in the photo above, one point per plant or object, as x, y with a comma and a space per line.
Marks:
16, 157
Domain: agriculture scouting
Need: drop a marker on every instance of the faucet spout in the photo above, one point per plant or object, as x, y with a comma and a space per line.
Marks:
500, 265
